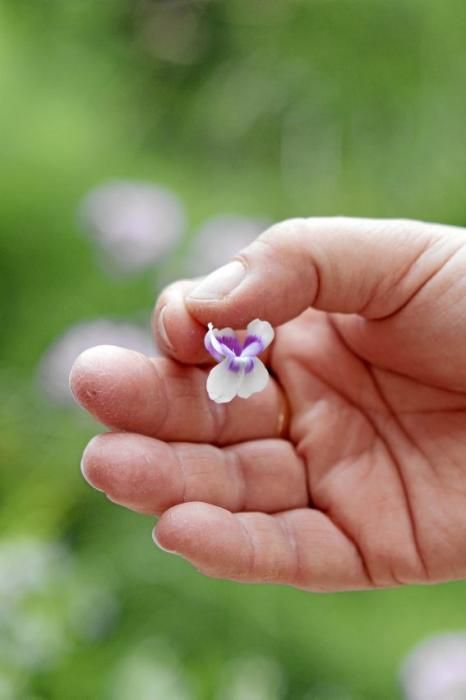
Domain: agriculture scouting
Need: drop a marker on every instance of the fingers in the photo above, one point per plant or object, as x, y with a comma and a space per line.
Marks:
177, 332
150, 476
158, 397
363, 266
300, 547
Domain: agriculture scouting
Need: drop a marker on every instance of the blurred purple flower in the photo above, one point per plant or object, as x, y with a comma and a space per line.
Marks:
55, 366
436, 669
134, 223
220, 238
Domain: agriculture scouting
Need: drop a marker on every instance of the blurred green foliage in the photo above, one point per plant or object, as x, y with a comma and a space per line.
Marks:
279, 108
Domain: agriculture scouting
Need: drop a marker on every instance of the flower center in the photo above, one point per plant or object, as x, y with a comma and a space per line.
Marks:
231, 343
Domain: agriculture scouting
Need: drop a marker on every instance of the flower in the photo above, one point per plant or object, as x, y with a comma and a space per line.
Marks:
135, 224
240, 372
152, 669
253, 677
42, 591
436, 668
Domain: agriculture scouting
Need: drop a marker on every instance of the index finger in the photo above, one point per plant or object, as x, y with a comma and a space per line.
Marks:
161, 398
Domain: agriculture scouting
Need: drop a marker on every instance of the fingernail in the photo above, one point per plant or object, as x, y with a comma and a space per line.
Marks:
83, 470
154, 537
220, 283
83, 465
163, 329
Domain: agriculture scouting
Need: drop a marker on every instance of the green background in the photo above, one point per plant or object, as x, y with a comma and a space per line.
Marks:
271, 109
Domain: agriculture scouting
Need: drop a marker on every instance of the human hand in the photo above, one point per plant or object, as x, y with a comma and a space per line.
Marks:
349, 470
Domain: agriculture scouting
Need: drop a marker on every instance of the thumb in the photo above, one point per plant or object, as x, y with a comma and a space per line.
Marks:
362, 266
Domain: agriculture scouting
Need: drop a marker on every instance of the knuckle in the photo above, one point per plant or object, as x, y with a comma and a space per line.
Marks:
283, 237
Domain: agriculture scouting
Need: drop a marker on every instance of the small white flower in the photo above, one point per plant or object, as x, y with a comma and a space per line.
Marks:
239, 372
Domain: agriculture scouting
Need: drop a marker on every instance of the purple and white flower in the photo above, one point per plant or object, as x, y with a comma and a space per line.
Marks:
134, 224
239, 372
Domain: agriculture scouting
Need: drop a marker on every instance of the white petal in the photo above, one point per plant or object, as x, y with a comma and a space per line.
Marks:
253, 381
224, 331
222, 383
263, 330
212, 345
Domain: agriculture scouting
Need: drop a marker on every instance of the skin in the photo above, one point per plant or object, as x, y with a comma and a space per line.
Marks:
349, 470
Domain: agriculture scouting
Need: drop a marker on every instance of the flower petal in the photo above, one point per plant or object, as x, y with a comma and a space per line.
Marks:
217, 349
252, 346
213, 346
228, 340
227, 332
254, 380
262, 330
223, 382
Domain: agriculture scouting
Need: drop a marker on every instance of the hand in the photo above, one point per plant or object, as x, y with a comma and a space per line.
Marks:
349, 470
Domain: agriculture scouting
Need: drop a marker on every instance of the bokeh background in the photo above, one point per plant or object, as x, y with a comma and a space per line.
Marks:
144, 140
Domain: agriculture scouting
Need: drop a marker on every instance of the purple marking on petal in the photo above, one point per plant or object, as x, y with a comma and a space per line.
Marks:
234, 365
249, 366
210, 349
252, 346
212, 340
231, 343
214, 347
251, 339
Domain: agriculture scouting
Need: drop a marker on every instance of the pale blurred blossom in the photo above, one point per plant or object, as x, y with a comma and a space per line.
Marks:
41, 592
152, 671
31, 570
27, 566
252, 678
54, 367
219, 239
436, 669
31, 639
134, 224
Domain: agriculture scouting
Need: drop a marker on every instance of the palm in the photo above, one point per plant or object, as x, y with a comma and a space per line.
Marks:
367, 488
384, 452
367, 491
